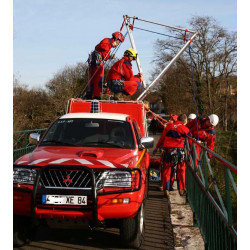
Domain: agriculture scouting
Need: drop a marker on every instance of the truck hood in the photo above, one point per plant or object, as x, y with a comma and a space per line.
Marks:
91, 157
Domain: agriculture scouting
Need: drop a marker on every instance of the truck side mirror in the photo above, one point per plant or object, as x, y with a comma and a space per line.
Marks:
34, 138
147, 142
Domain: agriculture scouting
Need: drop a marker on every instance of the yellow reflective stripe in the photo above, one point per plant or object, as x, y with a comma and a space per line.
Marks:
139, 161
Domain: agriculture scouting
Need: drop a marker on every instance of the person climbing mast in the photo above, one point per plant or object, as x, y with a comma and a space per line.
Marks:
96, 64
121, 79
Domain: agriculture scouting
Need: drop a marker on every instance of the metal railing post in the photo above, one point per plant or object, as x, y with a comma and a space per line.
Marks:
194, 157
212, 211
205, 168
228, 197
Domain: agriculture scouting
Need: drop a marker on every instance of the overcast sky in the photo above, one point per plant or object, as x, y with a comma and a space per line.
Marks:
48, 35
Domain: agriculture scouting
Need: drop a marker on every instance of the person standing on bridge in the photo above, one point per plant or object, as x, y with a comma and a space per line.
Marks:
121, 79
96, 64
202, 129
191, 117
172, 118
172, 142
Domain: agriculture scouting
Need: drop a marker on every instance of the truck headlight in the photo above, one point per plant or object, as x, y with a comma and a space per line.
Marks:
24, 176
115, 179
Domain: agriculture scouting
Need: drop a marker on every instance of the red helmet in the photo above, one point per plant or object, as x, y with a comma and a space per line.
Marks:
118, 36
174, 117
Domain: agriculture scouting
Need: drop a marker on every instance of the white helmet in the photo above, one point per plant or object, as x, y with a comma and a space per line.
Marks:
214, 119
192, 116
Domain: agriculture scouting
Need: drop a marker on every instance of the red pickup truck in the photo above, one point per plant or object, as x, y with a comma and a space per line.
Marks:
89, 168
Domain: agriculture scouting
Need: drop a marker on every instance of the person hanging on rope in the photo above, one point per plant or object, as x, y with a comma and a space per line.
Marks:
172, 142
96, 64
205, 131
121, 79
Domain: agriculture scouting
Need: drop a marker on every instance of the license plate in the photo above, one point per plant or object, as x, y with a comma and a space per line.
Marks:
64, 199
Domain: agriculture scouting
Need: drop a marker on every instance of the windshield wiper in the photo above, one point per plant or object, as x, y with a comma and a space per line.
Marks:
58, 143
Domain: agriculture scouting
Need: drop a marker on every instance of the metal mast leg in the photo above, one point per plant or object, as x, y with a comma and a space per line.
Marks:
157, 79
131, 38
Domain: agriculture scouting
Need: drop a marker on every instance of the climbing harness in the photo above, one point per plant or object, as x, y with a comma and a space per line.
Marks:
98, 61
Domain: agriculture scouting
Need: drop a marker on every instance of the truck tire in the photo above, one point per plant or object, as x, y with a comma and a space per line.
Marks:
132, 229
22, 232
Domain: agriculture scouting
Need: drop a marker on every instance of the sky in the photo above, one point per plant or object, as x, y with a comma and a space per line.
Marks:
49, 35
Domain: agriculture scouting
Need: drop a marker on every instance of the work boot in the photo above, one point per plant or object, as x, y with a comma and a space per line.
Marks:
182, 192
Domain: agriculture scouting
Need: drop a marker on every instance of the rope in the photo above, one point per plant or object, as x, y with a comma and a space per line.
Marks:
103, 61
195, 106
161, 120
158, 33
115, 50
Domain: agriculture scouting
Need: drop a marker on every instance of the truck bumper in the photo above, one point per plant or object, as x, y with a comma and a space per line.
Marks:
101, 205
106, 208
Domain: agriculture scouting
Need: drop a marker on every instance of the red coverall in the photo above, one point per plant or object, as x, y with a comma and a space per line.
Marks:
172, 140
205, 134
122, 79
96, 68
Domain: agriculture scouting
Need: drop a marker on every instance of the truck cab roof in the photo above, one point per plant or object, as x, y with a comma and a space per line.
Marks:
102, 115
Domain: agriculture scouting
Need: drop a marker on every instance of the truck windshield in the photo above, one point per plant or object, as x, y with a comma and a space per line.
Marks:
85, 132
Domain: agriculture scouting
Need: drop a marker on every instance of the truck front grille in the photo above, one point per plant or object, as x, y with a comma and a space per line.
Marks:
68, 179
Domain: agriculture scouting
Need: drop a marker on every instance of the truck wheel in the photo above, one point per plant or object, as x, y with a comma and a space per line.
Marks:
132, 229
21, 232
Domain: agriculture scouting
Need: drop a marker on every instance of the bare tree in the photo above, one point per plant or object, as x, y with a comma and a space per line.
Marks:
31, 108
66, 84
213, 57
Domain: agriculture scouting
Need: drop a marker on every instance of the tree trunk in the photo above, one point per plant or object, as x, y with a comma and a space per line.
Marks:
225, 114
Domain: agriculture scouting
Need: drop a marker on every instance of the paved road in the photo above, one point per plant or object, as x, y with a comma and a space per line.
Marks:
158, 230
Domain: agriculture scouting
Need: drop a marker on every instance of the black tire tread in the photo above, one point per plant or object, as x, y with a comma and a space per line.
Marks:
130, 231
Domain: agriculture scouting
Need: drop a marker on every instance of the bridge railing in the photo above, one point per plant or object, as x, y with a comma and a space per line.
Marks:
21, 144
212, 195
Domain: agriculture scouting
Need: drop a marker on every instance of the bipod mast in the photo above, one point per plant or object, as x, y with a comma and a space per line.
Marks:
158, 78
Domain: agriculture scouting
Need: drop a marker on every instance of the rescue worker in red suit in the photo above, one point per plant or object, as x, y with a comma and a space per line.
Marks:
172, 119
205, 131
172, 141
96, 64
121, 78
